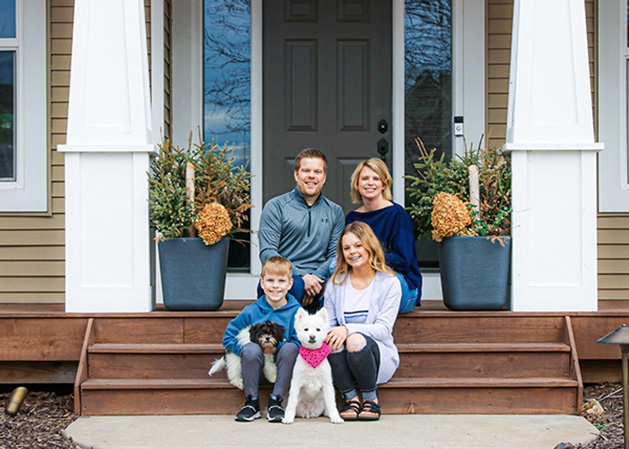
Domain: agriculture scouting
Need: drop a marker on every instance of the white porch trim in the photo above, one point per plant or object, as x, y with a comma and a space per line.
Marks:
109, 140
551, 136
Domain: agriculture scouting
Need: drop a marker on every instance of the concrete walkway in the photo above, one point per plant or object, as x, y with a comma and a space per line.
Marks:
392, 431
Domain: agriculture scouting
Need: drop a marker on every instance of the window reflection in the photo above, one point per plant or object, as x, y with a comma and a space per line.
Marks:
427, 88
7, 116
227, 77
7, 19
227, 89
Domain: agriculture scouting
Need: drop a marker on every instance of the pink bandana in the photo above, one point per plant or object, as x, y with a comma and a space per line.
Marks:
314, 357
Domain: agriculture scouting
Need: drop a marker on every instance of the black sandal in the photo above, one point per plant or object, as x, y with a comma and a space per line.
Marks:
353, 406
370, 407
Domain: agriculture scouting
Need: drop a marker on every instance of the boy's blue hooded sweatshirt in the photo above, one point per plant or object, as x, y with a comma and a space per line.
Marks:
258, 312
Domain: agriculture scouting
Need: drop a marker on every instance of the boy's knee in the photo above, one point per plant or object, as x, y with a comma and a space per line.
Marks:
252, 352
355, 342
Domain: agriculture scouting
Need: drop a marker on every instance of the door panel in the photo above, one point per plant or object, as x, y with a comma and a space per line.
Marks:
326, 84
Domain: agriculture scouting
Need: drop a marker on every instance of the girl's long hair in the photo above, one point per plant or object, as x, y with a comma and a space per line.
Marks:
364, 233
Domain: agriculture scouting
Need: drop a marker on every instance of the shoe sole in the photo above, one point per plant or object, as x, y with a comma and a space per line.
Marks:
243, 419
276, 419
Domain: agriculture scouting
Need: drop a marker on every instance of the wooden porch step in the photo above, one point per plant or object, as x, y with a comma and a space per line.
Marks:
481, 396
212, 396
167, 348
449, 363
185, 361
479, 328
482, 347
153, 361
466, 382
161, 384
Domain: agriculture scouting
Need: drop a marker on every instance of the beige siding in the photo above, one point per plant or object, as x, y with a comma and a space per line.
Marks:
499, 22
613, 235
32, 259
32, 251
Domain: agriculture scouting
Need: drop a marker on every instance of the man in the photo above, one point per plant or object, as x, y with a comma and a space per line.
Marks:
304, 227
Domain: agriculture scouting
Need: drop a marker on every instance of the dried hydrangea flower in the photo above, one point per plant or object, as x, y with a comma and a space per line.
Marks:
214, 223
449, 217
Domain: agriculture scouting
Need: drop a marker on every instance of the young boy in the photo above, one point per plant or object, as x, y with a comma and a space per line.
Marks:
278, 306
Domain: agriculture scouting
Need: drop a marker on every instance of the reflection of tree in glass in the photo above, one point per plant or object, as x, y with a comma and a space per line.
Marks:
428, 29
428, 75
227, 67
427, 88
227, 90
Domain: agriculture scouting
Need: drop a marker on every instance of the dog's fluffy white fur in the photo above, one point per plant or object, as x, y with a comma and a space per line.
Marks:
267, 335
311, 392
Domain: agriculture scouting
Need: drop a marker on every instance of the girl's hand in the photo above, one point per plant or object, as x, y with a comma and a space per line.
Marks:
336, 337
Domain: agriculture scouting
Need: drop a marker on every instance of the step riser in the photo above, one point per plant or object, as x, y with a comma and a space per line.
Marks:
424, 365
453, 329
479, 365
160, 330
152, 366
394, 401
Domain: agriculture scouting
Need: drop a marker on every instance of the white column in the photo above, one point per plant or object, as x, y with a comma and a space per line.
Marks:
550, 134
107, 152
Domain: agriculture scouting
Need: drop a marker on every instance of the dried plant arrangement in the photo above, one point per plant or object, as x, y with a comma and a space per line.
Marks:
198, 190
441, 201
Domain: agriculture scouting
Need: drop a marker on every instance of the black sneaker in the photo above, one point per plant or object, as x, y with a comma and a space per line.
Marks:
249, 411
275, 412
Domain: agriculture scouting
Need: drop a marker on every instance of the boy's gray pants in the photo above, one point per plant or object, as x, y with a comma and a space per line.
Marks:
252, 360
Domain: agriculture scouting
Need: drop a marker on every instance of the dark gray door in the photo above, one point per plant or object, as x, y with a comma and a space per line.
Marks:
327, 84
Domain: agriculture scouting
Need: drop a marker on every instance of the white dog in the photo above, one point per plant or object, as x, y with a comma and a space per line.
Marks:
268, 335
311, 391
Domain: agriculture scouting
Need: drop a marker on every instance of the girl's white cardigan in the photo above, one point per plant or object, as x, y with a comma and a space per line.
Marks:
383, 310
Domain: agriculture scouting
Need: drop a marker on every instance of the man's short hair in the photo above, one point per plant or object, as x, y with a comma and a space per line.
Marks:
277, 265
310, 153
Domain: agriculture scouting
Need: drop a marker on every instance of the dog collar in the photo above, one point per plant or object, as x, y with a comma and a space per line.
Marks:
315, 357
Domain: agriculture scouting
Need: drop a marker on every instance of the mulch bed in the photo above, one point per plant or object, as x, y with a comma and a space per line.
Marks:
610, 421
44, 414
39, 422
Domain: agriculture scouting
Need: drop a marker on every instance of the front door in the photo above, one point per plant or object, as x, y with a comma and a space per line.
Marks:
327, 85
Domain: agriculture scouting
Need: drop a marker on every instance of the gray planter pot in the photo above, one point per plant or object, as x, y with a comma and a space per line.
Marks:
475, 272
193, 274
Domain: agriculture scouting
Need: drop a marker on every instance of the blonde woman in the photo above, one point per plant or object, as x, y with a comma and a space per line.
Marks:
362, 298
371, 185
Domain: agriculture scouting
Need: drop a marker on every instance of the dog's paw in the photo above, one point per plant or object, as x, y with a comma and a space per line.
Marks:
337, 419
288, 420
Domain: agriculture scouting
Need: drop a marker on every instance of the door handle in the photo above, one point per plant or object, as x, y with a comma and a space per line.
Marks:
383, 149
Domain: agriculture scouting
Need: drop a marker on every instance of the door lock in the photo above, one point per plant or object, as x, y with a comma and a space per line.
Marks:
383, 149
383, 126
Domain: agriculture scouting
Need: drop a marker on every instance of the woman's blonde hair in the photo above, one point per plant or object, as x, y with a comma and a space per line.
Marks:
381, 170
372, 245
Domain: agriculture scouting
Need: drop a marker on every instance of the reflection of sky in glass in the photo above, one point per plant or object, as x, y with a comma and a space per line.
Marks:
428, 38
7, 18
227, 79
